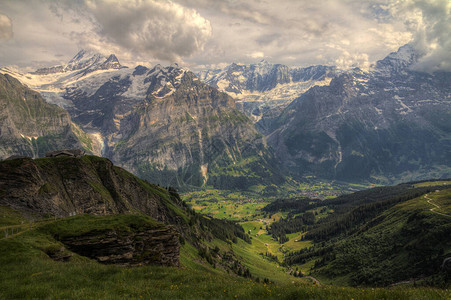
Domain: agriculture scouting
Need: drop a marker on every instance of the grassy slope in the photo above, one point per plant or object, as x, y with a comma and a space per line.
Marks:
408, 238
365, 244
27, 272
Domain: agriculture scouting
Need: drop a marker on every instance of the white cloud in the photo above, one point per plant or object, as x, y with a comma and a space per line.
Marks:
162, 30
146, 30
6, 27
212, 32
349, 32
429, 21
257, 54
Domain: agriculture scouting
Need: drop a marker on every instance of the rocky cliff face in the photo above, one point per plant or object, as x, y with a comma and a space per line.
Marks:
389, 123
128, 240
168, 127
150, 247
29, 126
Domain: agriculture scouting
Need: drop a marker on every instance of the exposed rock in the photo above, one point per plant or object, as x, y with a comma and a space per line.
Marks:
162, 124
446, 265
59, 254
157, 246
166, 126
264, 89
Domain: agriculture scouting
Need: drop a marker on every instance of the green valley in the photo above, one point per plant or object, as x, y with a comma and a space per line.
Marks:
144, 241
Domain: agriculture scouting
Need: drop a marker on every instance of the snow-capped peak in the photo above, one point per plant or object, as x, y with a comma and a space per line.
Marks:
83, 56
405, 53
398, 61
85, 60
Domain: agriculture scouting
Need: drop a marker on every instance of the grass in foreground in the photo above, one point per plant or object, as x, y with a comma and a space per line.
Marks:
27, 272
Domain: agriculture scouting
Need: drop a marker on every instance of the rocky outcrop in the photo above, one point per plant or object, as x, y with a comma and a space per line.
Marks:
67, 186
156, 246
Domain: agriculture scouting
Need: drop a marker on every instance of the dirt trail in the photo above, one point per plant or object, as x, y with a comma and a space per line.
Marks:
429, 200
315, 281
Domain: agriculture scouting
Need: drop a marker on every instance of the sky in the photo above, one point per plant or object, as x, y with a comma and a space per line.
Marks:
214, 33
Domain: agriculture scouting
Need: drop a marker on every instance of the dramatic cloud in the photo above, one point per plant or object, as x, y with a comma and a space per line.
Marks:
6, 28
344, 33
430, 24
163, 30
199, 33
147, 30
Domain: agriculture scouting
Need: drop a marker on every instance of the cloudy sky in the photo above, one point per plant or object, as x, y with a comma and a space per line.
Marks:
213, 33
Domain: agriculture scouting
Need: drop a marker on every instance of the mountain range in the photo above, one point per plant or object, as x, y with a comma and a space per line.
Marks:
388, 123
162, 124
385, 124
263, 89
245, 125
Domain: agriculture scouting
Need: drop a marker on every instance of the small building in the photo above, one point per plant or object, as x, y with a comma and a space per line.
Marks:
66, 152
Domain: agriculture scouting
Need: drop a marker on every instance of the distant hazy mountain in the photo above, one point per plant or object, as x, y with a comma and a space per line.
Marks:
388, 123
51, 82
264, 89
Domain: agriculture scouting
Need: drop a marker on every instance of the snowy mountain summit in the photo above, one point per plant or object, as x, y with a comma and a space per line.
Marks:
259, 88
86, 61
398, 61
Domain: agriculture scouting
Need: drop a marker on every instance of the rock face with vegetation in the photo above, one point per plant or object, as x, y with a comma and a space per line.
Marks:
162, 124
128, 240
66, 186
103, 212
30, 126
115, 212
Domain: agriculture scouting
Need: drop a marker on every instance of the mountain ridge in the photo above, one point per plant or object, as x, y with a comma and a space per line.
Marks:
369, 124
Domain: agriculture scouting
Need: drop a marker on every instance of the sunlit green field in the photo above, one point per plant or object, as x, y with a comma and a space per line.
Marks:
433, 183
